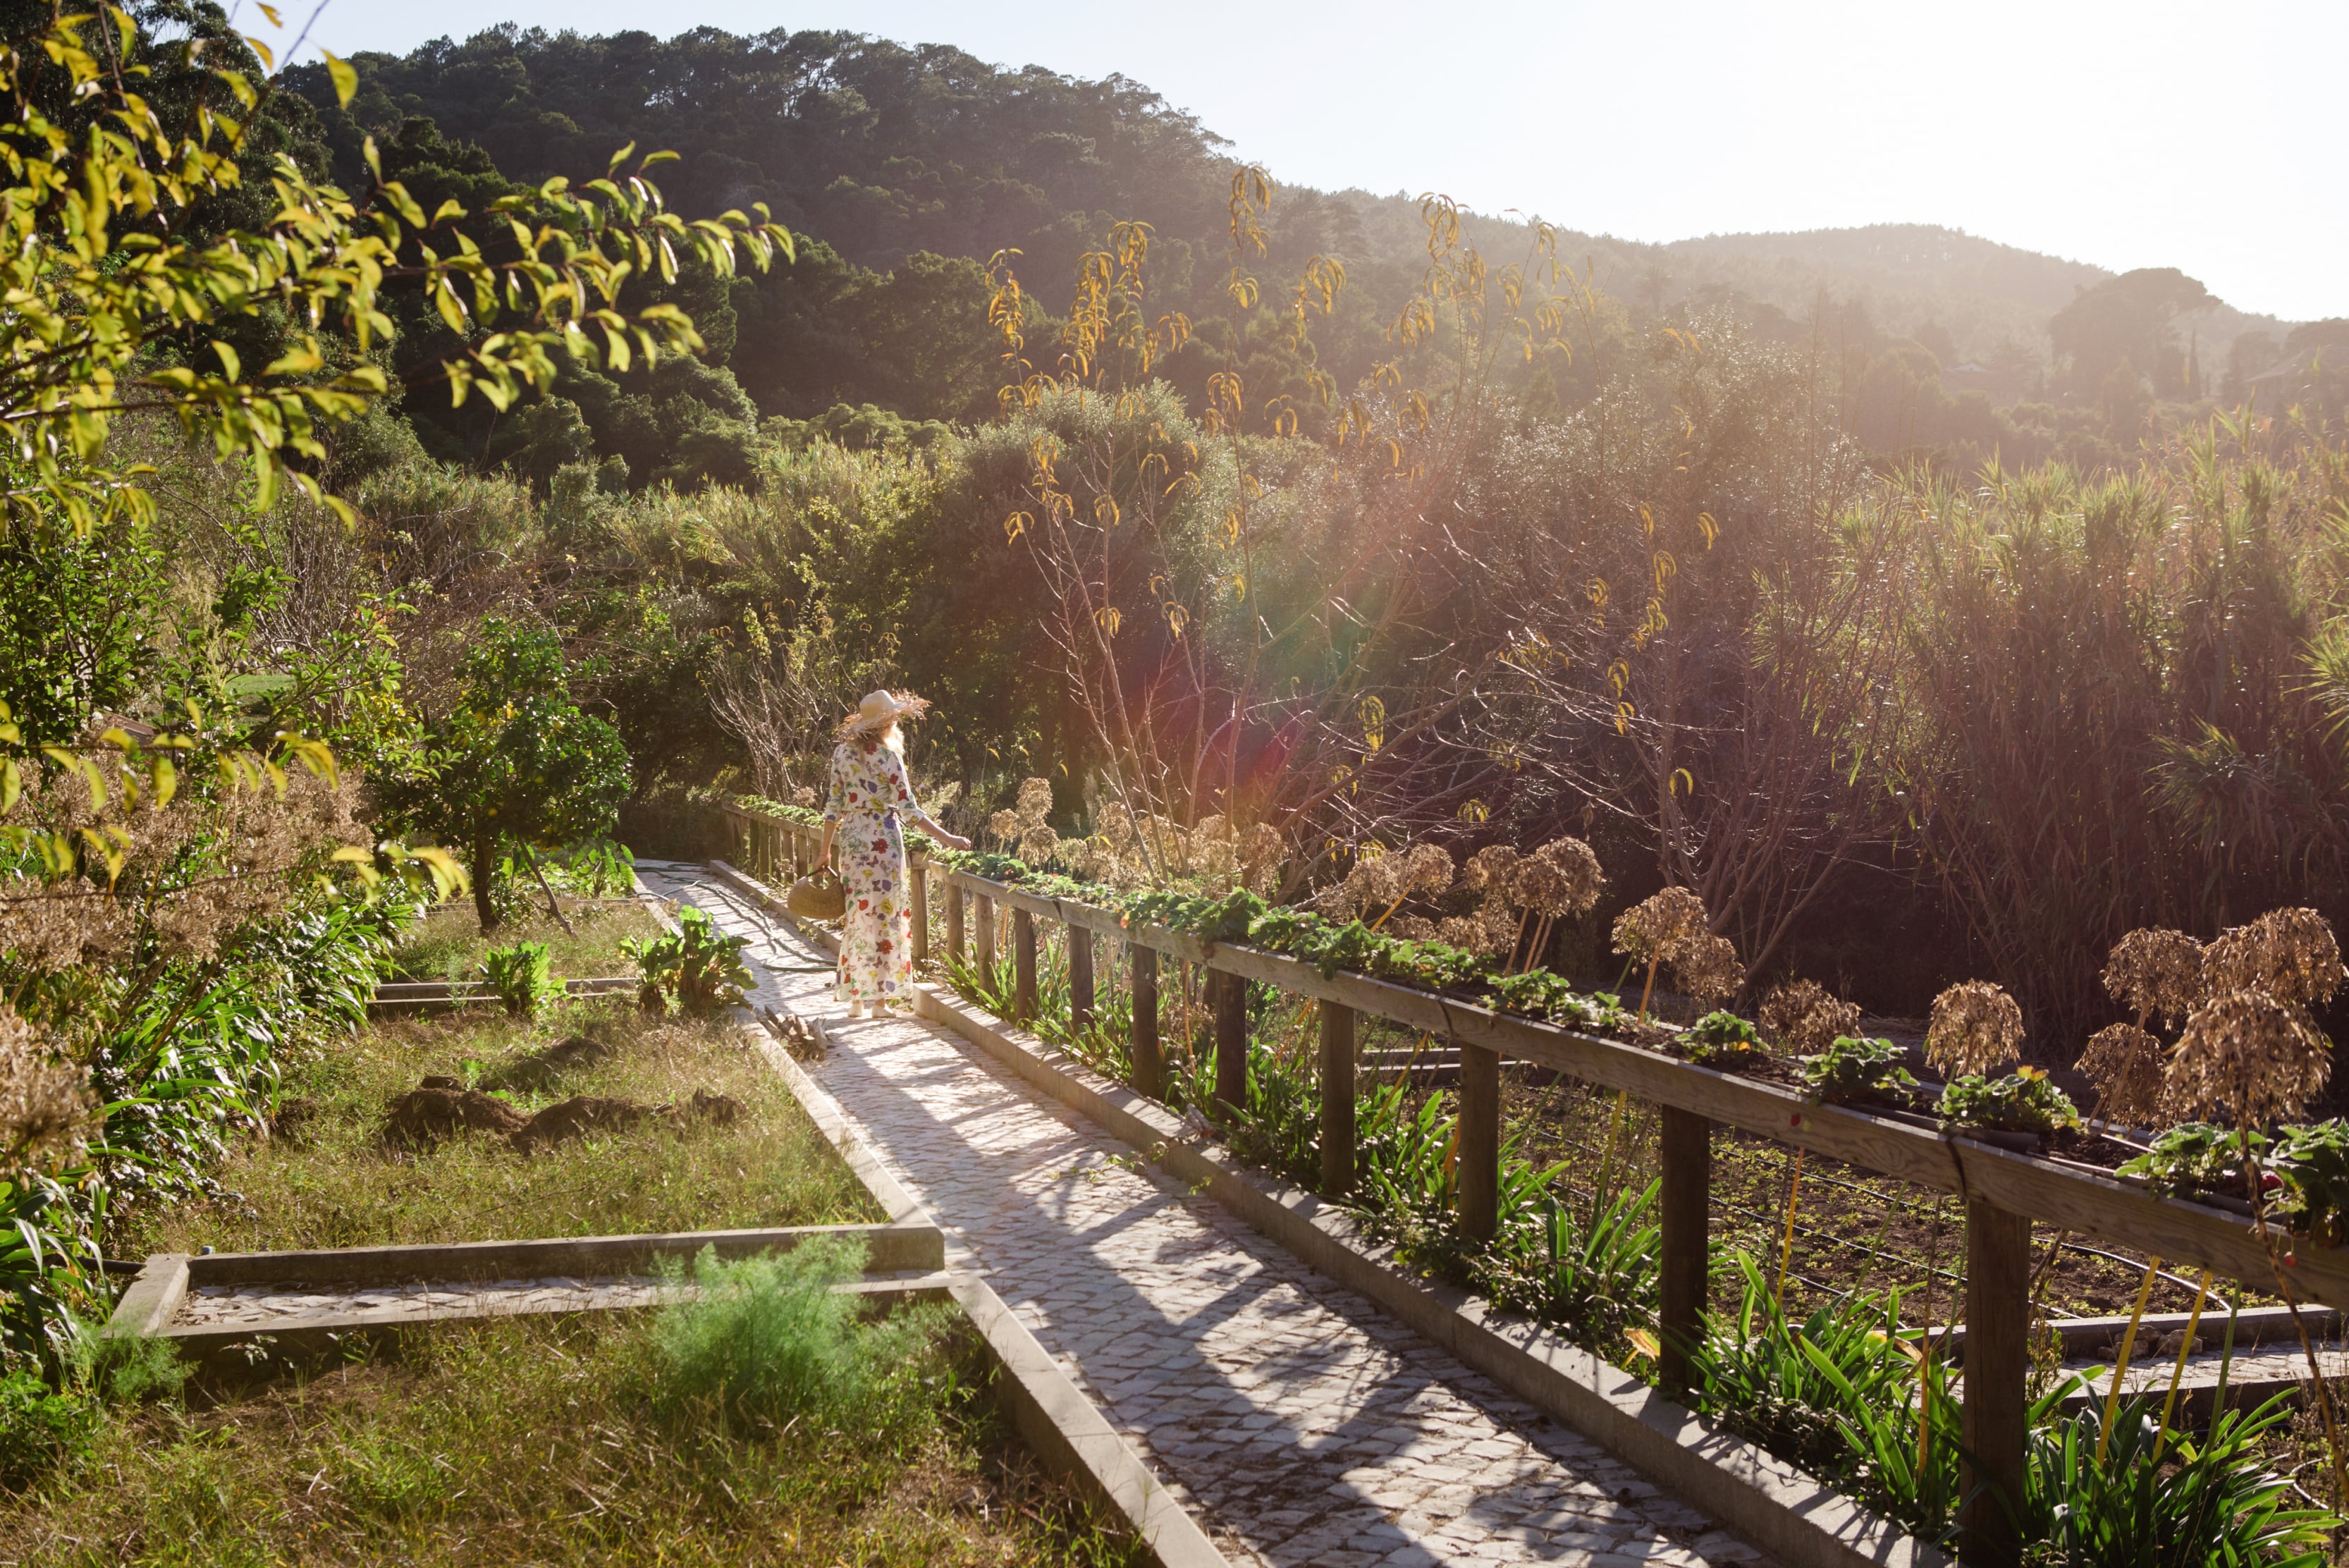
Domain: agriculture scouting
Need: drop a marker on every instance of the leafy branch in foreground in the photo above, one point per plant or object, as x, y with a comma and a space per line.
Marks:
114, 306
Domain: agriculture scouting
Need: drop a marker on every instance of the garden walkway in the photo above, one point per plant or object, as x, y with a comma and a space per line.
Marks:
1295, 1421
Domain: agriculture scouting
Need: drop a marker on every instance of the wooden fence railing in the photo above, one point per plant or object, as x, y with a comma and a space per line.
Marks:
2004, 1191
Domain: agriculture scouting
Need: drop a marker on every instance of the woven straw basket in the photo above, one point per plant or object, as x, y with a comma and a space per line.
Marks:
818, 897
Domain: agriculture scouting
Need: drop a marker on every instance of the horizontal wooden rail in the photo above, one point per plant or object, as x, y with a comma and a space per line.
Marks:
2003, 1191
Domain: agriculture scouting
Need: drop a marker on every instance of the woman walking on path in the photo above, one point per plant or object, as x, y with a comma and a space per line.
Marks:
869, 796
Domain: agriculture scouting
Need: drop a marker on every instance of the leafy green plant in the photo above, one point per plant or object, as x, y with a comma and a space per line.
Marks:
1592, 1274
2198, 1157
39, 1427
1855, 1067
523, 974
2143, 1498
600, 868
1722, 1040
770, 1340
517, 761
697, 968
2024, 1100
2314, 1163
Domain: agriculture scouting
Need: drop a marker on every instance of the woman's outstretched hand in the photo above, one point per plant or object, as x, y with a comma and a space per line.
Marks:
952, 840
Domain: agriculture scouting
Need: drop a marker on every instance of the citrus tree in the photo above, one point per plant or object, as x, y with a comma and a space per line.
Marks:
517, 763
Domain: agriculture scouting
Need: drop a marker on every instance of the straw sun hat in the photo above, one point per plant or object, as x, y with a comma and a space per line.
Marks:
880, 710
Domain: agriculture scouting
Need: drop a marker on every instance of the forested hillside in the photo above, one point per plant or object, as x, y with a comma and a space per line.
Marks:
911, 167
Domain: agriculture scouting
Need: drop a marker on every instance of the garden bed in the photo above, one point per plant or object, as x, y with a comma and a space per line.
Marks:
447, 944
330, 1176
611, 1439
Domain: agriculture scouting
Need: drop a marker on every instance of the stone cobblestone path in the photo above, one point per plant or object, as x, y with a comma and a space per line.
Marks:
1297, 1422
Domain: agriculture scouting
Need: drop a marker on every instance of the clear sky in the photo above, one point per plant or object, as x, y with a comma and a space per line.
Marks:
2126, 133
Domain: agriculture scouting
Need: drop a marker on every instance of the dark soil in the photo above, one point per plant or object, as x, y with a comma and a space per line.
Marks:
441, 1108
574, 1055
576, 1117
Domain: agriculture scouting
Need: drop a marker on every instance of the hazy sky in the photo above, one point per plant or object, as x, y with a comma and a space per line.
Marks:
2123, 133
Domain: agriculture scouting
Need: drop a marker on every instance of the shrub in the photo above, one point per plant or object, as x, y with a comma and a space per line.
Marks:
39, 1427
767, 1339
1595, 1276
523, 974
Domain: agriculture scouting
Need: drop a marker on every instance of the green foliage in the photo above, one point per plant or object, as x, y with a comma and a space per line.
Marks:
1594, 1274
39, 1427
2198, 1156
696, 969
523, 974
1853, 1068
2147, 1498
599, 868
1722, 1040
770, 1340
2313, 1164
1835, 1394
517, 760
2024, 1101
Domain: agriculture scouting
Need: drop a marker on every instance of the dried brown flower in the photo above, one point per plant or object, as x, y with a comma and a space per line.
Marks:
1658, 927
1472, 933
1035, 799
2247, 1054
1427, 868
1560, 880
1806, 1018
2156, 972
1709, 969
1489, 869
2124, 1064
46, 1114
2289, 954
1976, 1026
1411, 928
1005, 826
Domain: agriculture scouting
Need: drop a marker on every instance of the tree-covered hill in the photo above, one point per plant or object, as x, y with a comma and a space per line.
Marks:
910, 168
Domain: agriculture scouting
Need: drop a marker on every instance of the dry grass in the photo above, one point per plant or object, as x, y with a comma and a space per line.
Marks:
537, 1442
336, 1184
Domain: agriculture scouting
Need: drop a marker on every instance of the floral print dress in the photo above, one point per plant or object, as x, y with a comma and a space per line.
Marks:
869, 794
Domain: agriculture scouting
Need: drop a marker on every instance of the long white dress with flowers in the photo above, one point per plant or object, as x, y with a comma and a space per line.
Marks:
869, 794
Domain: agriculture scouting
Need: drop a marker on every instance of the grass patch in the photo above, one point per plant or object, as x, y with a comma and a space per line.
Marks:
534, 1441
331, 1181
448, 944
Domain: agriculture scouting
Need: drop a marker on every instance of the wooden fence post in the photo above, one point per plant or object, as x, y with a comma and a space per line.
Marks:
985, 934
1081, 974
1023, 967
954, 918
1231, 1038
1686, 1154
919, 874
1479, 1152
1149, 1064
1997, 1369
1337, 1099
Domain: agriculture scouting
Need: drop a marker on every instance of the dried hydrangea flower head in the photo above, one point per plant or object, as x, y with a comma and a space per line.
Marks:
1472, 933
1671, 929
1488, 870
2247, 1056
2124, 1064
1035, 799
1658, 927
1806, 1018
1709, 969
2155, 973
46, 1115
1560, 880
1976, 1026
2289, 954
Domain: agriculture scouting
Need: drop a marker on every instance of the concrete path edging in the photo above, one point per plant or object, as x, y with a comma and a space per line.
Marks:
1052, 1416
1771, 1503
